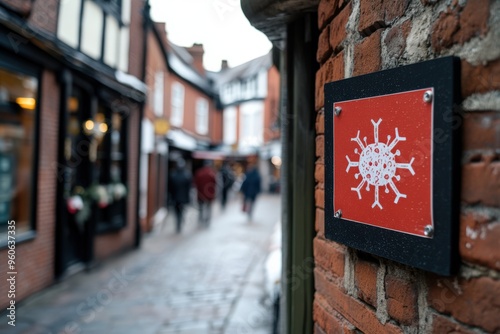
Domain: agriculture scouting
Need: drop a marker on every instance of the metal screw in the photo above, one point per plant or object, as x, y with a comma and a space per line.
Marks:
429, 231
337, 111
338, 214
428, 96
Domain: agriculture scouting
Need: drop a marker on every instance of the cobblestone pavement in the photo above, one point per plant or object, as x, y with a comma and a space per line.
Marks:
204, 280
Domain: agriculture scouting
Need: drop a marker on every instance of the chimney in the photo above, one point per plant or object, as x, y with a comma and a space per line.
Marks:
197, 52
224, 65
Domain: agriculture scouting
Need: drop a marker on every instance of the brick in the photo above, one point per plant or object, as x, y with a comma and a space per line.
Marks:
473, 302
481, 130
442, 325
366, 281
319, 172
44, 15
338, 31
332, 70
328, 319
22, 7
318, 330
473, 20
375, 14
401, 300
367, 55
320, 222
444, 29
460, 24
324, 48
337, 65
395, 40
320, 123
481, 182
319, 197
354, 311
330, 256
481, 78
320, 83
480, 239
320, 146
326, 10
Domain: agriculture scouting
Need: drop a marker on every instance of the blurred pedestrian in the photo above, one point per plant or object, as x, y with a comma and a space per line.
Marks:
227, 177
179, 186
250, 188
204, 180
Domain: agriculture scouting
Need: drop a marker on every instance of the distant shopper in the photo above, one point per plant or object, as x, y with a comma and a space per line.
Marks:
179, 186
227, 177
250, 188
205, 182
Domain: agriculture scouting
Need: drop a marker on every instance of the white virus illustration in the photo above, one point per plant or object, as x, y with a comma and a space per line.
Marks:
377, 164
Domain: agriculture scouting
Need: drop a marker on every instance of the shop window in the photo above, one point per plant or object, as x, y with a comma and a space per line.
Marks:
18, 114
109, 153
96, 187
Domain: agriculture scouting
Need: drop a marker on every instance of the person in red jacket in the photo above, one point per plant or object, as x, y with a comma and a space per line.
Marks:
205, 182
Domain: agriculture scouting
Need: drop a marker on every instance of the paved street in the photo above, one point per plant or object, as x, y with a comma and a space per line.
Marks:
204, 280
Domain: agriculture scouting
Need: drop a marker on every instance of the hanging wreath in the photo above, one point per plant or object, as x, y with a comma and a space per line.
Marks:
80, 202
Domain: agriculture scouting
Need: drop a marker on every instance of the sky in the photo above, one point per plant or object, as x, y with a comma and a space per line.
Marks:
219, 25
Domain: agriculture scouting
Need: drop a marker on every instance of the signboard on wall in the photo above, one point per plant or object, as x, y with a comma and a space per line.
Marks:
390, 174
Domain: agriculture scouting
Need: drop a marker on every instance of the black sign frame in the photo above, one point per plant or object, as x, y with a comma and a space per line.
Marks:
438, 254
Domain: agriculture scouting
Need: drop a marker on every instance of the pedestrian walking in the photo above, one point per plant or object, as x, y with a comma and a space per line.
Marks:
179, 186
227, 177
250, 188
204, 180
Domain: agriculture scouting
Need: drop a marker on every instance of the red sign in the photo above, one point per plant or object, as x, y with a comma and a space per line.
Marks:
383, 161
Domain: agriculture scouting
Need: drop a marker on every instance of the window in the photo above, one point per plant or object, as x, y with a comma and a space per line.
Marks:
103, 32
110, 167
158, 95
18, 112
177, 115
202, 116
229, 125
252, 123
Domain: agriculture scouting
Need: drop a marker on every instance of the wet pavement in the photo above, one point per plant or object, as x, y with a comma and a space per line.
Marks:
203, 280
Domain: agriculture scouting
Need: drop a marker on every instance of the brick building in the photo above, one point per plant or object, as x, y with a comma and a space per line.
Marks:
180, 116
71, 101
345, 290
249, 97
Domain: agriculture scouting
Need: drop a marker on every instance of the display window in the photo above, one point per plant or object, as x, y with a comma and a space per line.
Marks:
18, 119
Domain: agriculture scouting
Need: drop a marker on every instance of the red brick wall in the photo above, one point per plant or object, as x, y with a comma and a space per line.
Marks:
44, 15
22, 7
35, 258
374, 295
136, 45
191, 94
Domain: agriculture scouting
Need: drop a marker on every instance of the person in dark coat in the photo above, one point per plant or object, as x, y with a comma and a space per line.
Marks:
227, 177
179, 186
250, 189
205, 182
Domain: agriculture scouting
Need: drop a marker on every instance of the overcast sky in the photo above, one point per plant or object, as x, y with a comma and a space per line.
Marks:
219, 25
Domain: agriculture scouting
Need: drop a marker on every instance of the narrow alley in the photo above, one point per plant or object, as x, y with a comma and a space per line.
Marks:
203, 280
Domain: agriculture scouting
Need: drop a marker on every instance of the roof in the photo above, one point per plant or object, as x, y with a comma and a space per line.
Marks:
271, 16
243, 71
179, 61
